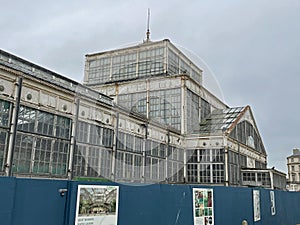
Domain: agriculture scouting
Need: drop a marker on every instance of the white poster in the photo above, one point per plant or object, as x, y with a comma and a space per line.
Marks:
97, 205
203, 208
272, 199
256, 205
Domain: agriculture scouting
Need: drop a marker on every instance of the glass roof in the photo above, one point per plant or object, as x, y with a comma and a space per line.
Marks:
220, 120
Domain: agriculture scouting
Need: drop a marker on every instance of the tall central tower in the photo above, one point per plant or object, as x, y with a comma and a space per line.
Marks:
152, 79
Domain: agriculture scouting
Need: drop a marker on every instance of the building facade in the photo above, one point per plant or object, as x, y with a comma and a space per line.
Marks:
142, 115
293, 164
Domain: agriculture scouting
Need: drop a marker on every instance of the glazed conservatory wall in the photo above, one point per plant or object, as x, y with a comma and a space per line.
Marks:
51, 126
140, 61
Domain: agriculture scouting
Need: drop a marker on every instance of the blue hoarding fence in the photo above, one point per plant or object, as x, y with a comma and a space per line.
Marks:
53, 202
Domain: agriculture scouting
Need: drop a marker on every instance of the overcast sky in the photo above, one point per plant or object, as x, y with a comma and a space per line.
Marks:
251, 47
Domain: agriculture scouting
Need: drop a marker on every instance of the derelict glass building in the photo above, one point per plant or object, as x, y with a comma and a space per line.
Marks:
157, 80
142, 115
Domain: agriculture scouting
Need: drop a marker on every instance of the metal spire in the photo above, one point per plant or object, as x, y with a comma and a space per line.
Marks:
148, 27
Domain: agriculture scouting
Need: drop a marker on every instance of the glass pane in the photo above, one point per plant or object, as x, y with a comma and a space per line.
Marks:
22, 153
82, 132
3, 135
4, 113
80, 161
60, 157
63, 127
45, 123
26, 119
42, 156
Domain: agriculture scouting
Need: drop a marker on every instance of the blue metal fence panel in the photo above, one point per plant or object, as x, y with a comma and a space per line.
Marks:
176, 204
233, 205
140, 205
7, 198
39, 202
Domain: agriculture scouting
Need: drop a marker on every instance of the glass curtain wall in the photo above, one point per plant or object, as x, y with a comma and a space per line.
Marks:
245, 133
193, 112
126, 65
205, 166
93, 153
256, 178
151, 62
42, 143
142, 61
99, 70
4, 129
155, 161
205, 109
178, 65
175, 163
234, 165
165, 107
136, 102
129, 157
161, 162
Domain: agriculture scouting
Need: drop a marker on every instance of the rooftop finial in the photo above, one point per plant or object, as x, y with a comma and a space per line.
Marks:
148, 27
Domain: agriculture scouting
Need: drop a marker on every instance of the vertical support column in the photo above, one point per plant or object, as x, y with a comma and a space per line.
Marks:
167, 156
183, 103
116, 98
110, 68
185, 180
226, 165
32, 155
86, 71
239, 165
147, 98
137, 63
13, 127
73, 140
114, 149
271, 179
144, 154
166, 57
183, 124
34, 141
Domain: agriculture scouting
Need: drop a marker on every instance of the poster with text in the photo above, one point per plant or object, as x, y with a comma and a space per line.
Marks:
97, 205
203, 208
256, 205
272, 199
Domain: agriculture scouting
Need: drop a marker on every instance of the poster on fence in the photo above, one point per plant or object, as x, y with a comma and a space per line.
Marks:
256, 205
203, 208
97, 205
